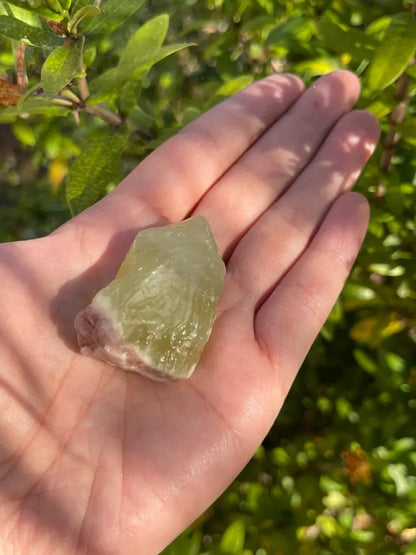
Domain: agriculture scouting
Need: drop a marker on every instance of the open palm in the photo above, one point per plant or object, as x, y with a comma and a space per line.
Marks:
97, 460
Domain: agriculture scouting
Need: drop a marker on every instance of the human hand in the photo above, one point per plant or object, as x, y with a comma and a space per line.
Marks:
97, 460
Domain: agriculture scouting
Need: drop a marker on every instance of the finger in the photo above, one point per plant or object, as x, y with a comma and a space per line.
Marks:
298, 213
289, 320
170, 182
266, 170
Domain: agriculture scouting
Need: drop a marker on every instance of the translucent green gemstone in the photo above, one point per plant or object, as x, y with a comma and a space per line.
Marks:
156, 316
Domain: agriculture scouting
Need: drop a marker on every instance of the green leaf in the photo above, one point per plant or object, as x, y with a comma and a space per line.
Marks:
54, 5
95, 168
33, 106
146, 41
346, 41
396, 363
61, 66
407, 130
398, 473
16, 29
316, 66
39, 8
188, 543
299, 29
189, 114
142, 119
110, 81
79, 15
114, 13
404, 444
229, 88
234, 85
24, 132
365, 361
11, 10
327, 484
232, 541
394, 53
129, 96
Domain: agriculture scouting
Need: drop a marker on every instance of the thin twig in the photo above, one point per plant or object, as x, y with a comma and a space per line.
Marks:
106, 115
396, 118
115, 119
397, 115
22, 80
84, 91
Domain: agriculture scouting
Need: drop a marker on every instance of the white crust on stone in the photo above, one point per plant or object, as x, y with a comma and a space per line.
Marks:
97, 338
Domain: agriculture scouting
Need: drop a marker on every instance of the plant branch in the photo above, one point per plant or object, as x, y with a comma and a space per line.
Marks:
106, 115
115, 119
84, 91
103, 113
22, 80
397, 116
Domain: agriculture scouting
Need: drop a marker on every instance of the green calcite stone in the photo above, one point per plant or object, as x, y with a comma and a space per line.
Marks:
157, 314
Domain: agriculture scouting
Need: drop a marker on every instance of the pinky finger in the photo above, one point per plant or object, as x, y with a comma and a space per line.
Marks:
290, 319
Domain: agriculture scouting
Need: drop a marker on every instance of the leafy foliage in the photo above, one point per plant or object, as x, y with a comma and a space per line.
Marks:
61, 66
337, 474
96, 167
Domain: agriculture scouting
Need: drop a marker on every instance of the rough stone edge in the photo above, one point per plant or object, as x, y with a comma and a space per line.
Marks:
98, 339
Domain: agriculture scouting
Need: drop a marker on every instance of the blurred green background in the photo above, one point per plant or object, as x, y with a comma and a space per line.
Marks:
337, 472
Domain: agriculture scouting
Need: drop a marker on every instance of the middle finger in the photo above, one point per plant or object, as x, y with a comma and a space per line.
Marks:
268, 168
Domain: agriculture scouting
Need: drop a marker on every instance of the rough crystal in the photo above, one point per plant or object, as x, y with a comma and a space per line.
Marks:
157, 314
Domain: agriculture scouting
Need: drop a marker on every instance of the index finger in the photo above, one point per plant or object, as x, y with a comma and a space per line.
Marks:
169, 183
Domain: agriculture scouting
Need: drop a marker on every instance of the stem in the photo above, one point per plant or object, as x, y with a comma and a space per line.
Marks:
115, 119
106, 115
103, 113
22, 80
84, 91
397, 116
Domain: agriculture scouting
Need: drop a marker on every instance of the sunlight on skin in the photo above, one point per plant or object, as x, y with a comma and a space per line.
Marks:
94, 460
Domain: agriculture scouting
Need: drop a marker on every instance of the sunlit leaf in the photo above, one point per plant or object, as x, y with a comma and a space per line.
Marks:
114, 13
365, 361
113, 79
232, 541
57, 171
41, 8
394, 53
300, 28
340, 40
24, 132
234, 85
81, 14
36, 36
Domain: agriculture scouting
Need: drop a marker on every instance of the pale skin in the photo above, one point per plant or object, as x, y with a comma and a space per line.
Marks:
97, 460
